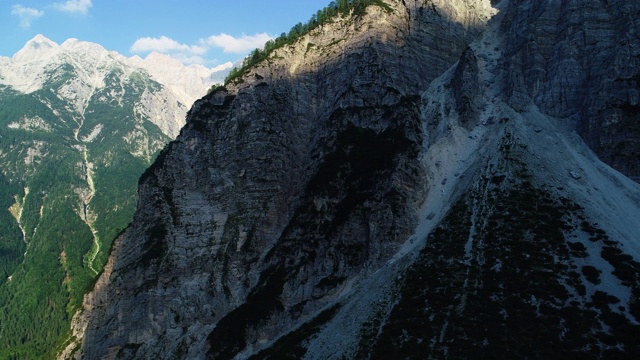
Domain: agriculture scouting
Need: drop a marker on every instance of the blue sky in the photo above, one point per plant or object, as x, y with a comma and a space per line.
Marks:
194, 31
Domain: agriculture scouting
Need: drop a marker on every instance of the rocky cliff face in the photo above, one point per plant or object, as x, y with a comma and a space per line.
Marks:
580, 61
389, 185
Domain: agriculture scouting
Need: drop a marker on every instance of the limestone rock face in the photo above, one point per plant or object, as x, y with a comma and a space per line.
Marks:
390, 185
290, 185
580, 61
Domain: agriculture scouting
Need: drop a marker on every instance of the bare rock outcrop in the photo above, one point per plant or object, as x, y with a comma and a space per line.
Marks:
580, 60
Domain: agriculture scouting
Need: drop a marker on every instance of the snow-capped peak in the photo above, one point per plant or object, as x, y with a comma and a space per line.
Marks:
27, 70
172, 73
157, 58
36, 48
41, 39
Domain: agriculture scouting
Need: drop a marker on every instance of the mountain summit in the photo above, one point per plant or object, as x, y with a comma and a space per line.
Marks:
406, 179
27, 71
36, 48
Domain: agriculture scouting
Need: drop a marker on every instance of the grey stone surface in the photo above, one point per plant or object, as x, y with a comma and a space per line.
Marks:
305, 170
304, 212
580, 61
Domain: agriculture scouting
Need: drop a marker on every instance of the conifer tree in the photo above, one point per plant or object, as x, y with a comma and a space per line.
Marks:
323, 16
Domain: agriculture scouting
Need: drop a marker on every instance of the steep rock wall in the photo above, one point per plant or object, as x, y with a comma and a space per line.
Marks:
580, 60
281, 191
326, 206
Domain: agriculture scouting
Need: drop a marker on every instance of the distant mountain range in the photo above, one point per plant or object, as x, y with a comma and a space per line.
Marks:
78, 126
33, 67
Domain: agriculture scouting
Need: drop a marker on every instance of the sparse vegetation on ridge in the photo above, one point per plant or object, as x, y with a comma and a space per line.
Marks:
324, 16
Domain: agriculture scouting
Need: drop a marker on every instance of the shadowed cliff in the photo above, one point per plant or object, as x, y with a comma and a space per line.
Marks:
280, 191
369, 192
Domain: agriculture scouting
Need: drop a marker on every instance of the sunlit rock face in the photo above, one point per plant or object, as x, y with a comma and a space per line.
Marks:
391, 185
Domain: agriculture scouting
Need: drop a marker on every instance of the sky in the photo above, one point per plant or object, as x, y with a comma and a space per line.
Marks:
207, 32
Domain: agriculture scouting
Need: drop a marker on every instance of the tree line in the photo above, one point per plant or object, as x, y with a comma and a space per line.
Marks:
320, 18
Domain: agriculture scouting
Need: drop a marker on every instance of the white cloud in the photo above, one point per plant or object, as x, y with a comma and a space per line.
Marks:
74, 6
26, 15
164, 44
187, 54
195, 54
243, 44
225, 66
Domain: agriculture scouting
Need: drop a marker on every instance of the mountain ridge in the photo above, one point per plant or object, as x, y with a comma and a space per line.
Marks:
189, 82
286, 79
381, 191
